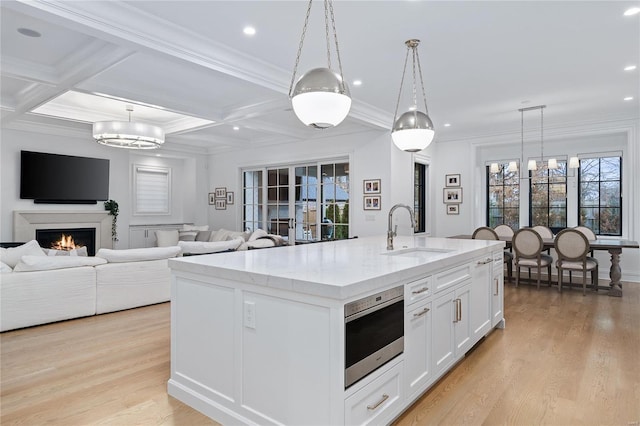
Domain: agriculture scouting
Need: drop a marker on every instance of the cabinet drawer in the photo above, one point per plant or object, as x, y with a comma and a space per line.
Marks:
377, 402
498, 259
451, 277
418, 290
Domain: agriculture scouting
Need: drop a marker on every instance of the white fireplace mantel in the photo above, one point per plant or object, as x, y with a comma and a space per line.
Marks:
25, 223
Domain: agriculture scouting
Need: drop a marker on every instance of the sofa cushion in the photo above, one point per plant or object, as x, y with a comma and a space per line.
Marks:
139, 254
82, 251
5, 268
44, 263
203, 247
187, 235
167, 238
203, 236
258, 233
11, 256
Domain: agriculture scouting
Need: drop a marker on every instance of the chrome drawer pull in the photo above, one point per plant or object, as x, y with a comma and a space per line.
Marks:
455, 302
489, 260
422, 290
421, 313
373, 407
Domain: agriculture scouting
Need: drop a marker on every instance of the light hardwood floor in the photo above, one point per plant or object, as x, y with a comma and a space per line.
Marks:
563, 359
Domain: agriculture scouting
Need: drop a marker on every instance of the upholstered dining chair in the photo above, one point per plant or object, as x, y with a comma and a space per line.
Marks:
486, 233
591, 236
545, 233
572, 247
528, 246
504, 231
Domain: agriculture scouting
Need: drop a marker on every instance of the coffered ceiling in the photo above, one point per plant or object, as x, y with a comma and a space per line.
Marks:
188, 67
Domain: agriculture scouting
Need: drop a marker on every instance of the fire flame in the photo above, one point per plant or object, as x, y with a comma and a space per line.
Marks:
64, 243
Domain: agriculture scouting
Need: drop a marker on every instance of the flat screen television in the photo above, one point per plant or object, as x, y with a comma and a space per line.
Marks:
63, 179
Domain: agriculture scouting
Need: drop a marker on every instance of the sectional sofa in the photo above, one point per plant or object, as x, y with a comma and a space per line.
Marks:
39, 289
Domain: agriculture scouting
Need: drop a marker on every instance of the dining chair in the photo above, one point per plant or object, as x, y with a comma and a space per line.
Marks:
486, 233
545, 233
503, 231
528, 246
587, 232
572, 247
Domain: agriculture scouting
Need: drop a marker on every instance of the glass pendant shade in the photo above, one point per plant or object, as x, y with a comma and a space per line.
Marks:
412, 131
320, 99
127, 134
574, 163
494, 168
552, 164
532, 165
513, 166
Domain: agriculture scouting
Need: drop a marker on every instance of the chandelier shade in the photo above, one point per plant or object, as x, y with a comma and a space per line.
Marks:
128, 134
413, 130
320, 98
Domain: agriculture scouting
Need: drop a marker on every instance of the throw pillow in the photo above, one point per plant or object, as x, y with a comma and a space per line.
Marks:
167, 238
11, 256
257, 234
187, 235
203, 236
44, 263
220, 235
138, 255
82, 251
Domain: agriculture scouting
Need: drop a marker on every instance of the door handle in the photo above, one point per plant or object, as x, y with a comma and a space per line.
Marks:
497, 286
459, 309
456, 314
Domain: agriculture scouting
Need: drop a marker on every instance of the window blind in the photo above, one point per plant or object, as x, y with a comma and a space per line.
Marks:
152, 190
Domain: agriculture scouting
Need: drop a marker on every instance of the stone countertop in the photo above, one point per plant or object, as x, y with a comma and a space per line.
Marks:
339, 269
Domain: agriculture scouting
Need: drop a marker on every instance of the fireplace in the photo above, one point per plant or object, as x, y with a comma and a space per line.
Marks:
68, 239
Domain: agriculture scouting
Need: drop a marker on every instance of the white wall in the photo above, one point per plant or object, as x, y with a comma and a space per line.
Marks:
188, 171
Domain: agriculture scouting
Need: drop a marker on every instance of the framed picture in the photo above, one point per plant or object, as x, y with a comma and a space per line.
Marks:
371, 202
212, 198
221, 204
453, 208
230, 198
452, 195
452, 180
221, 193
371, 186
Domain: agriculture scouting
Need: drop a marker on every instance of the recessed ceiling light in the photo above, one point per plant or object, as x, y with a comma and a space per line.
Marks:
630, 68
249, 31
357, 82
236, 128
29, 32
628, 98
632, 11
447, 124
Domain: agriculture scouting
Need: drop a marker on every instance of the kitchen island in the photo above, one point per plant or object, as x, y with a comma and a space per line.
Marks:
258, 337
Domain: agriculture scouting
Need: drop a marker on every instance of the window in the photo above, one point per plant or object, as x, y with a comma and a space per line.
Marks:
600, 195
152, 186
419, 196
335, 201
548, 196
503, 197
252, 201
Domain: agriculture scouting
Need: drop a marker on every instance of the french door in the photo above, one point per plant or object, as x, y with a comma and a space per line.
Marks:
302, 203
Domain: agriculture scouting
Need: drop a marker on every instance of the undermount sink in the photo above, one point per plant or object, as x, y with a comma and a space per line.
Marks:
418, 252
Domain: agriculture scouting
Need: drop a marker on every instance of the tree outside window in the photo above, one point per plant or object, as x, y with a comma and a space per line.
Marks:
548, 196
503, 197
600, 195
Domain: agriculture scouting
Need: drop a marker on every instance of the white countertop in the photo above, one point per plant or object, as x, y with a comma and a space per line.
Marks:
339, 269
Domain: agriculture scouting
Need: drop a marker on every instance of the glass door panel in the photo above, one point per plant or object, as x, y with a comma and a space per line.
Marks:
278, 202
334, 198
252, 200
306, 191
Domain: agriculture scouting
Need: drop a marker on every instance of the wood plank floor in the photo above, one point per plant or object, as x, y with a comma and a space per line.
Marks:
563, 359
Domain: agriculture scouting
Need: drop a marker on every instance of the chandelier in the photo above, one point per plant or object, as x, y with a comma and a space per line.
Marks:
412, 131
128, 134
320, 98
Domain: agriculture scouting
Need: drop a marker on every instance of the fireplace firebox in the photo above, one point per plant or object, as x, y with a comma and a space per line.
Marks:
68, 239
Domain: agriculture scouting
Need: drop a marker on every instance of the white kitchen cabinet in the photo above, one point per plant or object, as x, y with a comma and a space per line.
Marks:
497, 292
417, 343
141, 236
481, 296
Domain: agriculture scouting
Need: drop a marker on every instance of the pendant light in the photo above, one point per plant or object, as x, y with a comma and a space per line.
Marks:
320, 98
412, 131
128, 134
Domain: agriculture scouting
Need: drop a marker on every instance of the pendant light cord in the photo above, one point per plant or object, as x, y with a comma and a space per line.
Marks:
404, 70
424, 94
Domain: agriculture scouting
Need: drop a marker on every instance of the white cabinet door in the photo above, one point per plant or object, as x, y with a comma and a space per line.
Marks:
497, 298
443, 349
137, 238
481, 296
462, 324
417, 349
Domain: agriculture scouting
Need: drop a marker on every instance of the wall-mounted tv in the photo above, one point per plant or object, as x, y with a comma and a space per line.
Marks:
63, 179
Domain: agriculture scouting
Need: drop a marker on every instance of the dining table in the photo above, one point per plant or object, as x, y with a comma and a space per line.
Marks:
614, 247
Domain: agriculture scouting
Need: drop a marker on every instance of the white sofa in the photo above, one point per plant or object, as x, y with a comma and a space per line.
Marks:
199, 240
42, 289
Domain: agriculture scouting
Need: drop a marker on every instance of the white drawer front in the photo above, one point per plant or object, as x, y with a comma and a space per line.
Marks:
451, 277
418, 290
374, 403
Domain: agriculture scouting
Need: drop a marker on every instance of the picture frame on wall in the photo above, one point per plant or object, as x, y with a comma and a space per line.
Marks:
230, 198
452, 195
221, 204
212, 198
221, 193
453, 208
452, 180
371, 186
372, 203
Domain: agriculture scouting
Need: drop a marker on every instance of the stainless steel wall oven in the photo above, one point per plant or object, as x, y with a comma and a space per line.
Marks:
374, 332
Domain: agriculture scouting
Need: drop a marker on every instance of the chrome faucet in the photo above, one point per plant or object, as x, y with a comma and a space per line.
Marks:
390, 233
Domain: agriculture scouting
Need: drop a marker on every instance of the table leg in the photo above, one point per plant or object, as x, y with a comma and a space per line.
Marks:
615, 273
